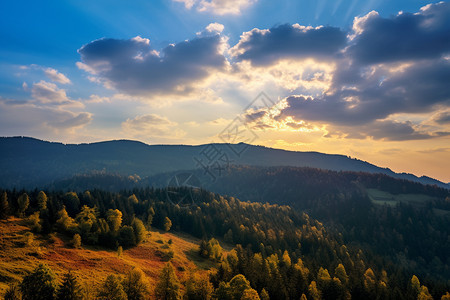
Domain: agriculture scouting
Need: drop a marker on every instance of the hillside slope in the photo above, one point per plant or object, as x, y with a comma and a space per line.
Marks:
90, 264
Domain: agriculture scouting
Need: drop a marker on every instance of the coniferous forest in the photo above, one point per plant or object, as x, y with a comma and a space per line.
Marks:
257, 250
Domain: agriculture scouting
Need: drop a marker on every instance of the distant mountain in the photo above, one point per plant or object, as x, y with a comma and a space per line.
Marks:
28, 162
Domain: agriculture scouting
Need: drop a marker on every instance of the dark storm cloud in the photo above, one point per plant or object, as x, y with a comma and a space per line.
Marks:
132, 66
263, 47
407, 36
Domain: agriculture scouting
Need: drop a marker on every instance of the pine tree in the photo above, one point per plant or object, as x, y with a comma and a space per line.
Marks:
42, 200
314, 293
23, 201
69, 288
250, 294
4, 206
135, 285
13, 293
126, 236
114, 217
139, 230
150, 215
198, 287
223, 292
168, 286
39, 285
424, 294
264, 295
340, 273
238, 285
111, 289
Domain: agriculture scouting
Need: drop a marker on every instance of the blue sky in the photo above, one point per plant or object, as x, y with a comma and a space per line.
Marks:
350, 77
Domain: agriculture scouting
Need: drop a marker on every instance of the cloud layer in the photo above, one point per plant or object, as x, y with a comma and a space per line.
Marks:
386, 67
363, 83
134, 67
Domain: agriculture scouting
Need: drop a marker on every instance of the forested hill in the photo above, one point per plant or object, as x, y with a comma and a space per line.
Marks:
403, 221
28, 162
278, 251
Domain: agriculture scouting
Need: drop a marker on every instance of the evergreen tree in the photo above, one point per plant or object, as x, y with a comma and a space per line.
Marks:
13, 293
150, 215
126, 237
69, 288
314, 292
224, 291
264, 295
340, 273
111, 289
415, 286
72, 203
424, 294
198, 287
4, 205
135, 285
238, 285
39, 285
65, 223
139, 230
76, 241
114, 217
42, 200
167, 224
34, 221
250, 294
23, 201
168, 286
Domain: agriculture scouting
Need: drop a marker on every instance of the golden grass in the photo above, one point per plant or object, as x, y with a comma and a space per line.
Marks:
93, 264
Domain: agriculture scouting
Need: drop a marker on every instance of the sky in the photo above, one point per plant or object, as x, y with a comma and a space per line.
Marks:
367, 79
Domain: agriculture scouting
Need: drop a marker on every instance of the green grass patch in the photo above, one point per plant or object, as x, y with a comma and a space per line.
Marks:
385, 198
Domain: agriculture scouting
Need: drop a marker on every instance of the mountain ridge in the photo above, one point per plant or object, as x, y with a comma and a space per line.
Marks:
31, 162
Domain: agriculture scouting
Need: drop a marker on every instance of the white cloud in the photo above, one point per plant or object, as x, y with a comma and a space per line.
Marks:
218, 7
215, 27
48, 93
56, 76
